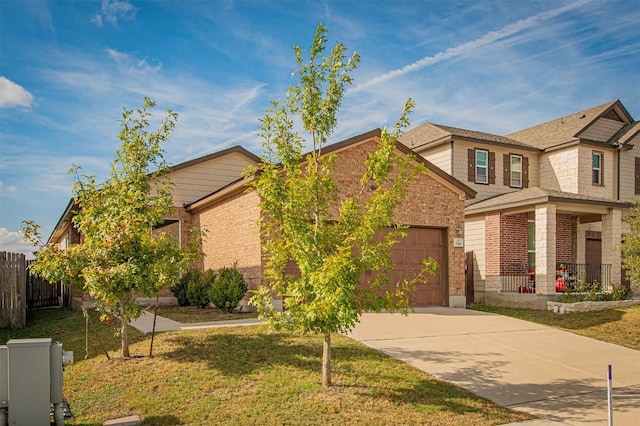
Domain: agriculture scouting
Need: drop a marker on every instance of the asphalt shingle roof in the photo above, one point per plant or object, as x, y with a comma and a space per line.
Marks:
561, 130
535, 195
429, 132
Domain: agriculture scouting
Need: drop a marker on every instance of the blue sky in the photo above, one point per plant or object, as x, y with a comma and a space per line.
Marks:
68, 68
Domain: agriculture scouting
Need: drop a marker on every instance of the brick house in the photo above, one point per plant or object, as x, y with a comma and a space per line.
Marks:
210, 193
433, 210
550, 200
192, 180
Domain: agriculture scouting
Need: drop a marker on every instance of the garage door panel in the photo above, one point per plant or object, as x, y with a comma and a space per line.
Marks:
408, 254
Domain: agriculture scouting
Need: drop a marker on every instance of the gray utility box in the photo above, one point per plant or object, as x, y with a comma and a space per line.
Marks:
30, 381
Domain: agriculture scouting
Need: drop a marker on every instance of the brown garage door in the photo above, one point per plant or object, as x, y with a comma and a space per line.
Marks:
408, 253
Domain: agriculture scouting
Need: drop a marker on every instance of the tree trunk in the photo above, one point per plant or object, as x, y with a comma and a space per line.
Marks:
124, 338
326, 361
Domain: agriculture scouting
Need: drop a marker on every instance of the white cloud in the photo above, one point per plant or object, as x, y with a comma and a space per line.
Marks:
470, 47
13, 242
113, 11
10, 189
13, 95
211, 116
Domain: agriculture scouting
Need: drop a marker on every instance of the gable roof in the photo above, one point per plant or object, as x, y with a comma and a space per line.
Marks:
429, 134
568, 128
377, 133
629, 132
65, 219
536, 195
235, 149
238, 185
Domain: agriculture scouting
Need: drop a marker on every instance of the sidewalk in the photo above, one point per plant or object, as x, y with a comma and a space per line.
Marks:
145, 323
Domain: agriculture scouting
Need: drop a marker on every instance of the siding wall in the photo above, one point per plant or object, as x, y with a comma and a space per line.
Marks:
602, 130
440, 156
627, 171
474, 240
460, 168
197, 181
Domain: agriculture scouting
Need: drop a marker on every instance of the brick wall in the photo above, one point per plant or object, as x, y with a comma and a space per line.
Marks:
513, 238
232, 235
429, 202
506, 240
564, 238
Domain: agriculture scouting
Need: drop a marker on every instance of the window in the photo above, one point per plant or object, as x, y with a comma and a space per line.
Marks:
531, 244
596, 168
482, 166
516, 171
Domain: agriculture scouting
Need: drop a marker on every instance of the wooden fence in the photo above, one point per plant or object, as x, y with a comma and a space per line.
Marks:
13, 295
41, 293
20, 291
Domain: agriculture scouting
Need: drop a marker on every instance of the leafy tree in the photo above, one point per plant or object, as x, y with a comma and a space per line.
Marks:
631, 245
332, 241
120, 254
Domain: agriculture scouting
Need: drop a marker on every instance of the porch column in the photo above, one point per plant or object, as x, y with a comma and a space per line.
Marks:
546, 249
611, 237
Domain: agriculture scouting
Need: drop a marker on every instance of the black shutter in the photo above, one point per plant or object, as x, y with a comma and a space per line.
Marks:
472, 165
492, 168
506, 179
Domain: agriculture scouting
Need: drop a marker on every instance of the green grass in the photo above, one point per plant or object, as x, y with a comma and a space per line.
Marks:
245, 375
192, 314
618, 326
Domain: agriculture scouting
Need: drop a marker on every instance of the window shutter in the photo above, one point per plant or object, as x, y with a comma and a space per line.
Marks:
637, 175
525, 172
506, 179
472, 165
492, 168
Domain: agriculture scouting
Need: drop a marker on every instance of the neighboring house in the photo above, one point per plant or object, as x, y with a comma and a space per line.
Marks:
550, 200
191, 180
211, 193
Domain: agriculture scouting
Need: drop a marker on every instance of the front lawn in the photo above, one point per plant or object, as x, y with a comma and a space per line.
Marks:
618, 326
244, 375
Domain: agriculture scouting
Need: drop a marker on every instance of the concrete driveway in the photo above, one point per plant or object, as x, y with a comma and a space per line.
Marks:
557, 376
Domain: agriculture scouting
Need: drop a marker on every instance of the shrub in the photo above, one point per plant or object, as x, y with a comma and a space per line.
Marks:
228, 289
179, 289
198, 287
593, 293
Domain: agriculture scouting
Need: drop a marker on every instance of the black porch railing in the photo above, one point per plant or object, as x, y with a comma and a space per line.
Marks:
518, 278
521, 277
578, 276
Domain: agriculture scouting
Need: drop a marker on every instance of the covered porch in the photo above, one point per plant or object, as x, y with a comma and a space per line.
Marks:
541, 246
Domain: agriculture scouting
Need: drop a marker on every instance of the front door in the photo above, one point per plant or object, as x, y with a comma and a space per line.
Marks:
593, 257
